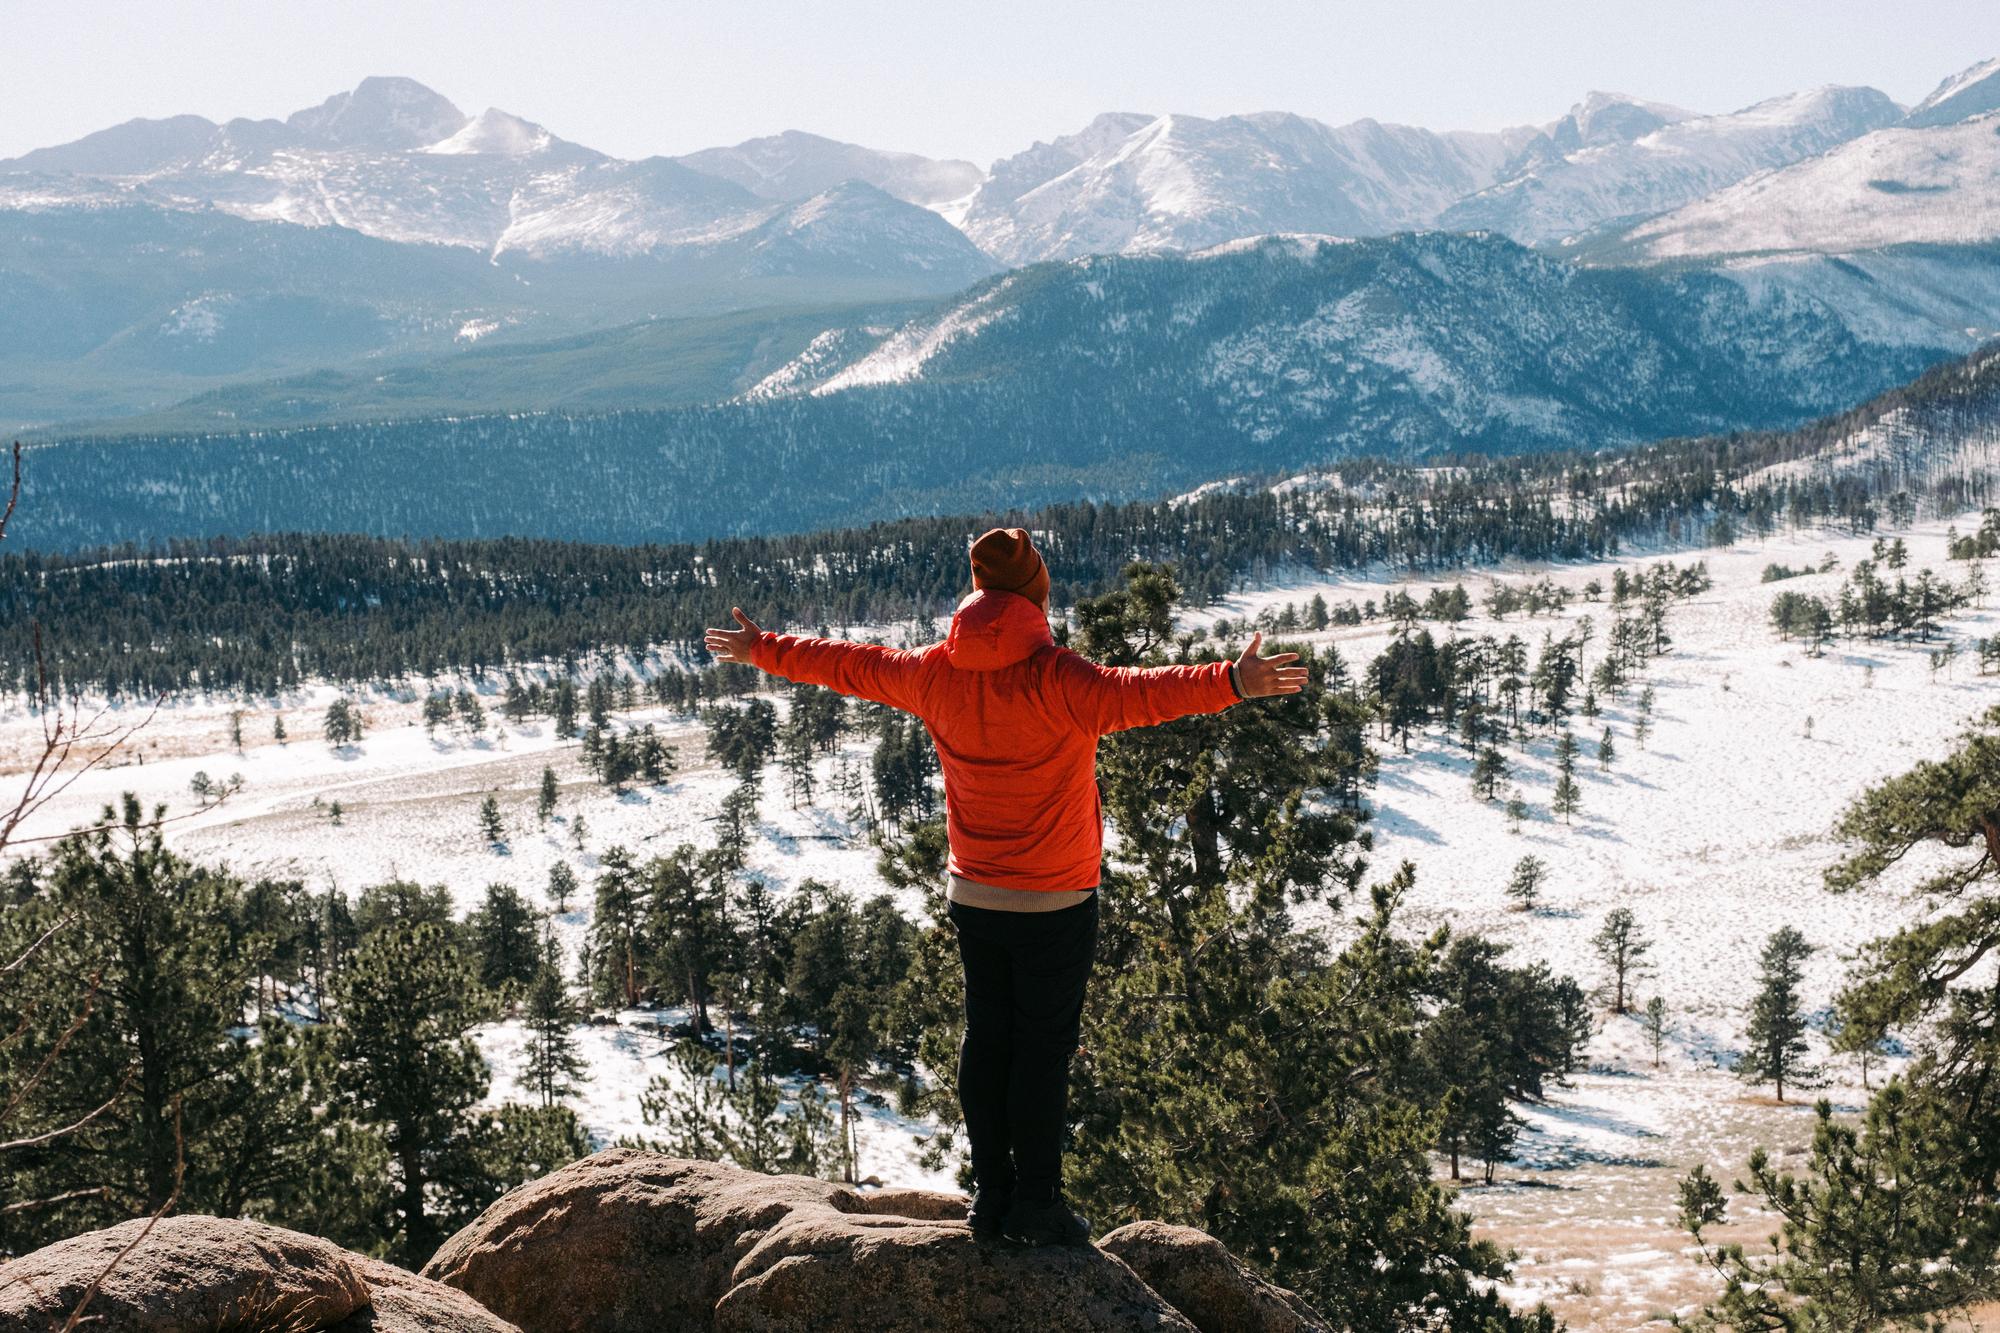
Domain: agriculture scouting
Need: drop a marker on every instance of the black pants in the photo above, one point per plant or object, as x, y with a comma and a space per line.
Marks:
1025, 974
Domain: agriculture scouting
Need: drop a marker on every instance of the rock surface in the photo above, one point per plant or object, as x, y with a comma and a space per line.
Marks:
633, 1242
195, 1274
626, 1241
1198, 1275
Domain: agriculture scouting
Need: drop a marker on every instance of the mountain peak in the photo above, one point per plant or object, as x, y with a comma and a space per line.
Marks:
381, 112
1604, 117
500, 132
1966, 94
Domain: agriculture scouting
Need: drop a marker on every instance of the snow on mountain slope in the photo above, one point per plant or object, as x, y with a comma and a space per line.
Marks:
794, 165
1673, 164
904, 354
496, 131
856, 229
1405, 342
396, 161
1968, 93
1905, 185
1184, 182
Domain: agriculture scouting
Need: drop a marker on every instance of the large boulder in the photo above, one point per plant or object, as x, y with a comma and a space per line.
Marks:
633, 1242
195, 1274
1204, 1281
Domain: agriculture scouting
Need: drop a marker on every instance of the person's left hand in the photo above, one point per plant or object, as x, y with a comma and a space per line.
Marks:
733, 645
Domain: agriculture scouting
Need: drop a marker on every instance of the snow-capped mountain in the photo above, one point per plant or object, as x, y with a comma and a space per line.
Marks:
1131, 184
796, 165
1970, 92
1588, 172
1108, 377
398, 162
1931, 180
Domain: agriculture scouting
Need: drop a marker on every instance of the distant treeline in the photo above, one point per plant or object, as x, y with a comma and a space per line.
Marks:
264, 612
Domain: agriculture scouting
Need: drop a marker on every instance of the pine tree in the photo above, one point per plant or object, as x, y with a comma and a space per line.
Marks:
1517, 810
1488, 773
409, 1067
1606, 751
562, 708
1623, 947
491, 827
236, 729
278, 728
577, 831
1525, 886
616, 925
1568, 796
545, 799
654, 758
1776, 1036
1643, 727
501, 939
437, 712
734, 824
123, 1078
562, 883
1656, 1027
470, 714
553, 1067
343, 722
687, 926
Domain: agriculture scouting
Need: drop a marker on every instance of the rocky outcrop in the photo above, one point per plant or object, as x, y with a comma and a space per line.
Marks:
1198, 1275
194, 1274
633, 1242
625, 1242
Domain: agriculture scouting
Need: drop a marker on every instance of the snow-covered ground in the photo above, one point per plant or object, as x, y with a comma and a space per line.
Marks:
1714, 834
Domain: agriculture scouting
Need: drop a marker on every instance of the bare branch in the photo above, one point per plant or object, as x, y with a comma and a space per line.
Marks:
29, 952
42, 1070
74, 1125
13, 493
95, 1191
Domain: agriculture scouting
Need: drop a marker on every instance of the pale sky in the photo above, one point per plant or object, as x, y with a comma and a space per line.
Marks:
949, 79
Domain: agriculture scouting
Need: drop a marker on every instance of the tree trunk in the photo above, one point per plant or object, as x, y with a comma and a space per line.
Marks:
416, 1226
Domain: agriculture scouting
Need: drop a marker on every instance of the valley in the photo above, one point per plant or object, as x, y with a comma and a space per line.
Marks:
1713, 832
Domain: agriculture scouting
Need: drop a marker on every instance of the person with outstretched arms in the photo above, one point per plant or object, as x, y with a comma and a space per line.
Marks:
1015, 720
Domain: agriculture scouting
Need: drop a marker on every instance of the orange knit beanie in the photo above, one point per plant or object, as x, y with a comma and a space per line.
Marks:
1004, 559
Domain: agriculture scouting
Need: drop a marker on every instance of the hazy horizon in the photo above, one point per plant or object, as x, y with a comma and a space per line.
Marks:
636, 80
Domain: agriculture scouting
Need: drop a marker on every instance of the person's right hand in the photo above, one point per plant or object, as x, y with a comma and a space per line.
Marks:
1260, 677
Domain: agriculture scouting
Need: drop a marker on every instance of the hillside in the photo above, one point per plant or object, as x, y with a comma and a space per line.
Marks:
1105, 379
1754, 745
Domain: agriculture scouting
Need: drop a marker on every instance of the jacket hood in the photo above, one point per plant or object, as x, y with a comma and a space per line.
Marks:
993, 629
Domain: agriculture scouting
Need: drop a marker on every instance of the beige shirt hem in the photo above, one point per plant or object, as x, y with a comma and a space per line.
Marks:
992, 898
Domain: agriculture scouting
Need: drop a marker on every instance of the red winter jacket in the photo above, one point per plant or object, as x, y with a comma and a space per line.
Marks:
1015, 720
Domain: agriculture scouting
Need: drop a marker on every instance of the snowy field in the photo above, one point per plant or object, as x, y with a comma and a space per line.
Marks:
1714, 835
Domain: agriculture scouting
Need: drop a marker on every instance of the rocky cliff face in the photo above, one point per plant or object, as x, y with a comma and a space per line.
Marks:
627, 1240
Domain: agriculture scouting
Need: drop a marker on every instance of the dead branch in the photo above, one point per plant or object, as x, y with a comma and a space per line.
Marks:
71, 1128
29, 952
66, 735
13, 493
48, 1059
180, 1172
94, 1192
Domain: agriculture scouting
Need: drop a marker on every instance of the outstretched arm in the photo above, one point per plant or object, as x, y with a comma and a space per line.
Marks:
1105, 699
865, 670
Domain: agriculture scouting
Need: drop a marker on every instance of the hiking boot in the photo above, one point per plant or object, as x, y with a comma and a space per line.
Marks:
1051, 1223
989, 1209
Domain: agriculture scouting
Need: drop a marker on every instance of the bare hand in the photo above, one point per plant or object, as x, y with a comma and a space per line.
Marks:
1259, 677
733, 645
